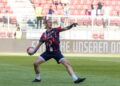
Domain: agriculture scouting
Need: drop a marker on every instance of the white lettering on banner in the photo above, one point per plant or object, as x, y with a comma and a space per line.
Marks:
68, 47
99, 47
65, 46
90, 47
95, 47
75, 47
115, 47
85, 47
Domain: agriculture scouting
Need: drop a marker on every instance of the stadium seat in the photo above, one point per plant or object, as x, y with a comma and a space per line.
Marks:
74, 12
7, 8
10, 11
3, 34
82, 12
4, 7
79, 7
43, 1
88, 2
3, 11
72, 2
10, 34
113, 22
99, 21
86, 21
95, 2
118, 22
80, 21
5, 3
113, 3
13, 20
114, 13
73, 7
60, 12
1, 8
1, 5
49, 2
0, 1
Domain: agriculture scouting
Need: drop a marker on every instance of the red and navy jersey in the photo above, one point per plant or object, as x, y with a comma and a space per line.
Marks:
51, 39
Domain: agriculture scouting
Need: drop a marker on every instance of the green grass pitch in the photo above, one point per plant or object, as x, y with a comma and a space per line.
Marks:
18, 70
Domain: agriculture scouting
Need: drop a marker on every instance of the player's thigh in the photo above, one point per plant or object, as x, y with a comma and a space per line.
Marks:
65, 62
58, 56
38, 61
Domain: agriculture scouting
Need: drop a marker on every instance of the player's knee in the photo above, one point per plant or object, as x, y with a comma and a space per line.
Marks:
35, 63
67, 64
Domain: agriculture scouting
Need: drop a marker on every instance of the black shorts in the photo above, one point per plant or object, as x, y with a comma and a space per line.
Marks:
48, 55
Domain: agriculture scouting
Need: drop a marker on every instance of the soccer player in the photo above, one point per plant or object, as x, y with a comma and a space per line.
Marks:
52, 42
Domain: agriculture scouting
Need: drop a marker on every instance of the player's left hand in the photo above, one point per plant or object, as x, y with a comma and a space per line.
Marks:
74, 24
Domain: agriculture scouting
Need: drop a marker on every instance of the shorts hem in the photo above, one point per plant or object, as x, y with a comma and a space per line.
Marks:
41, 58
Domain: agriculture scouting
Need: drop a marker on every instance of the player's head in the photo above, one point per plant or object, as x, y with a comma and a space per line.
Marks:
48, 24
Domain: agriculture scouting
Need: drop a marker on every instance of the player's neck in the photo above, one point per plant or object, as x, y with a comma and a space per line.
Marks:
49, 29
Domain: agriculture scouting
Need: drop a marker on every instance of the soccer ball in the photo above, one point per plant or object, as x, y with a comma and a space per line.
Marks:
30, 50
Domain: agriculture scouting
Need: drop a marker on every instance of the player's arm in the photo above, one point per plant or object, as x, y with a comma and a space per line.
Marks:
69, 27
36, 48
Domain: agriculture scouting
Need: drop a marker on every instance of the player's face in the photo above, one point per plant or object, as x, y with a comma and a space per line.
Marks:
49, 24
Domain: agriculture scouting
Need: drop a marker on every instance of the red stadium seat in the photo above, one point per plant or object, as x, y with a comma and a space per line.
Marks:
118, 22
118, 2
113, 22
1, 5
1, 8
3, 11
7, 8
0, 1
60, 12
86, 21
4, 0
10, 34
49, 2
79, 7
10, 11
113, 3
88, 2
74, 12
73, 7
2, 34
99, 21
5, 3
114, 13
82, 12
80, 21
95, 2
13, 20
43, 1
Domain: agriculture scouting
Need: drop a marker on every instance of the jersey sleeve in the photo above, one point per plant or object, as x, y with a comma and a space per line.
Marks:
42, 39
59, 29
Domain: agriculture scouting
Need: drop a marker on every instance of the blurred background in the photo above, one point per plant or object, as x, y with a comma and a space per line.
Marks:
21, 24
